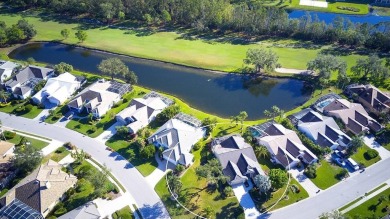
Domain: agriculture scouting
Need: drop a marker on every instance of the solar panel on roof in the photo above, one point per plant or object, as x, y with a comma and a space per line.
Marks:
17, 209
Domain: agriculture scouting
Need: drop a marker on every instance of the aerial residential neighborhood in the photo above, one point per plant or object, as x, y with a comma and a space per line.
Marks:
122, 109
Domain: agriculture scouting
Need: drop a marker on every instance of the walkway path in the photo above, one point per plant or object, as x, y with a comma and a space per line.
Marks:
107, 134
159, 172
293, 71
366, 198
150, 205
305, 182
369, 140
246, 202
336, 196
54, 144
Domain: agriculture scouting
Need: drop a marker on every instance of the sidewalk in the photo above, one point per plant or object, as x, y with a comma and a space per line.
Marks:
54, 144
369, 140
305, 182
366, 198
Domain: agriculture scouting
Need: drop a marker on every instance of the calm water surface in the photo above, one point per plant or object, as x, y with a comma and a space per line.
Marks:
329, 17
220, 94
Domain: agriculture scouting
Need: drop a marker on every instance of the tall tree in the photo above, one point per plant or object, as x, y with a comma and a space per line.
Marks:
263, 183
356, 143
130, 77
99, 180
174, 183
241, 117
261, 151
324, 83
372, 66
81, 35
212, 171
278, 178
65, 33
4, 95
62, 68
26, 158
113, 67
28, 29
262, 59
209, 124
326, 64
275, 111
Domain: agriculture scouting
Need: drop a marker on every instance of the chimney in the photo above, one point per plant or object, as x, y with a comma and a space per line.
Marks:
47, 185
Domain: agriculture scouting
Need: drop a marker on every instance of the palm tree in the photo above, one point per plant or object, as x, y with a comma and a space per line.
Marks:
261, 151
4, 95
174, 184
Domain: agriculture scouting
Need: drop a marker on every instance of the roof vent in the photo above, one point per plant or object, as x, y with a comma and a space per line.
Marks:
47, 185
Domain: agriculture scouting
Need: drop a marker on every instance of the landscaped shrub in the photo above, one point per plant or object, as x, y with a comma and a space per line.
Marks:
20, 109
294, 188
9, 134
70, 146
311, 171
60, 211
180, 168
197, 146
228, 191
342, 174
148, 151
41, 106
348, 8
81, 185
371, 154
125, 100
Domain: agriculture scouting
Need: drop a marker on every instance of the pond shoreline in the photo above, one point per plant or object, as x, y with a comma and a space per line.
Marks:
278, 74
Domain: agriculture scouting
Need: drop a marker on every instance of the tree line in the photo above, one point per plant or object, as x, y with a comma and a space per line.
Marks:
17, 33
204, 15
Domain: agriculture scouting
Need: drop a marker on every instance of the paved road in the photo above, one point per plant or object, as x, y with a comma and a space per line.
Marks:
336, 196
146, 198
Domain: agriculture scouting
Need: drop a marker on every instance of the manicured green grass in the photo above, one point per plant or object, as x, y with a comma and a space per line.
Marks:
171, 46
326, 175
124, 213
34, 142
197, 194
123, 147
360, 198
83, 125
289, 198
13, 105
360, 158
372, 208
332, 6
57, 155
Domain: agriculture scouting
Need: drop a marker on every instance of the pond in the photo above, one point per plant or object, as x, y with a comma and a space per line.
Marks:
329, 17
216, 93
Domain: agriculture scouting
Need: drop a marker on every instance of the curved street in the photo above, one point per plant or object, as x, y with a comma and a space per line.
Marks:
148, 202
336, 196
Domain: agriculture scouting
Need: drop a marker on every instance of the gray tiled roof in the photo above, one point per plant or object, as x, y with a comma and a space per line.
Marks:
28, 73
87, 211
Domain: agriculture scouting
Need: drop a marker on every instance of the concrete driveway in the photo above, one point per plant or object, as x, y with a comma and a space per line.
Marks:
305, 182
147, 200
369, 140
246, 202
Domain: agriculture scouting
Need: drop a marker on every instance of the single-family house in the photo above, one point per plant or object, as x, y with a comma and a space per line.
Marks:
99, 97
23, 83
237, 158
7, 68
283, 144
142, 111
177, 136
322, 130
86, 211
58, 89
38, 193
353, 115
373, 99
7, 173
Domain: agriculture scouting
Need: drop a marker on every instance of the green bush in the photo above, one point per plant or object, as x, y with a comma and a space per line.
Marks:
20, 109
9, 134
342, 174
125, 100
311, 171
180, 168
196, 146
371, 154
228, 191
60, 211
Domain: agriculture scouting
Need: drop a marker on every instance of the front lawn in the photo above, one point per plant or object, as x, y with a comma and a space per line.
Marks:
12, 107
38, 144
375, 207
360, 158
126, 148
83, 125
57, 155
83, 191
196, 195
291, 196
124, 213
326, 175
